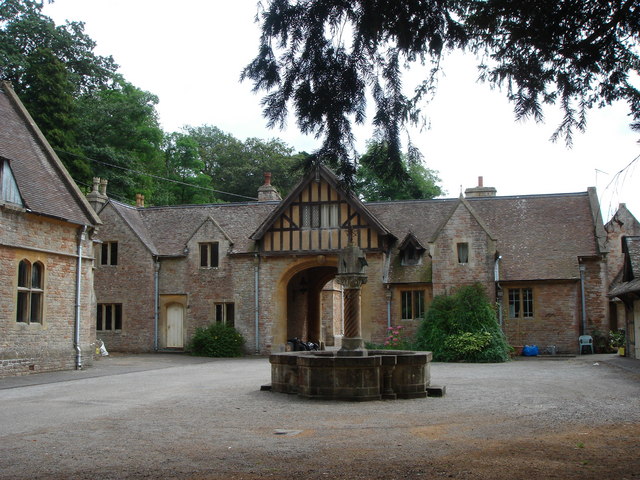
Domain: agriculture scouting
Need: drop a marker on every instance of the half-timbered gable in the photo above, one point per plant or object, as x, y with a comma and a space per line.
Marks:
319, 217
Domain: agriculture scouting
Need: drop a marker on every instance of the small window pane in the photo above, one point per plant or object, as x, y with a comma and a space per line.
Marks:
108, 313
214, 254
36, 307
23, 274
204, 255
23, 307
36, 276
527, 302
99, 318
104, 254
114, 253
463, 253
230, 320
118, 317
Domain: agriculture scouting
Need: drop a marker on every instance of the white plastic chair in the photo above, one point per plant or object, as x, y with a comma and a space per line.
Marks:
585, 341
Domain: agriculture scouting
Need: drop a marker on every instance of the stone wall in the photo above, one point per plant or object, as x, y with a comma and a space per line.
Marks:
47, 346
448, 272
130, 283
556, 319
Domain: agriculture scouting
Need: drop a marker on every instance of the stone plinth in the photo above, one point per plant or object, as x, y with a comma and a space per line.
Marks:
381, 374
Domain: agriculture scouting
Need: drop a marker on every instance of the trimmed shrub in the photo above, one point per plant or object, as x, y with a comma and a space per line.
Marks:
216, 340
463, 327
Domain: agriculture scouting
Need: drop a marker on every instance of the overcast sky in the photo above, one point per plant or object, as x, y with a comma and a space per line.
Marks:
190, 54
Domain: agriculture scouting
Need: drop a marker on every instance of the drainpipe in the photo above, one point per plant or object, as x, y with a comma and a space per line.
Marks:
388, 294
256, 271
496, 276
76, 337
156, 301
582, 297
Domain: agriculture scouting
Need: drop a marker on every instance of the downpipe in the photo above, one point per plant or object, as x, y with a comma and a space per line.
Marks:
76, 337
156, 302
583, 300
256, 270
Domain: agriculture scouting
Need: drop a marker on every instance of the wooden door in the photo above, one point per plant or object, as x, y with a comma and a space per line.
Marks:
175, 326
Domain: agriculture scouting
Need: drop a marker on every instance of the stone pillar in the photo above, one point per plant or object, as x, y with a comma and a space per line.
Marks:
351, 275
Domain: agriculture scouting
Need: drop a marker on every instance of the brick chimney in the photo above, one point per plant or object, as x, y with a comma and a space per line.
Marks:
267, 192
480, 190
139, 200
98, 195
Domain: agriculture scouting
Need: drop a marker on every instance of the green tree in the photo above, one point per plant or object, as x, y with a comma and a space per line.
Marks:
462, 327
24, 31
184, 166
238, 167
378, 179
118, 128
324, 58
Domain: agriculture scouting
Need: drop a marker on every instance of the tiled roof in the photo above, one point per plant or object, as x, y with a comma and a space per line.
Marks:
538, 236
632, 270
44, 184
166, 230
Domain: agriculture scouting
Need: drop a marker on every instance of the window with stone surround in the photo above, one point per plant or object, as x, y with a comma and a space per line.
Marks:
520, 303
209, 255
463, 253
412, 304
109, 253
225, 313
30, 292
109, 317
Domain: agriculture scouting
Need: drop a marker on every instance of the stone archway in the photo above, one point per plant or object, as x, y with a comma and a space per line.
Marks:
313, 305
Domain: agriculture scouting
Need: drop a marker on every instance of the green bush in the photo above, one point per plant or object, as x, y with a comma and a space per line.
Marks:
463, 327
216, 340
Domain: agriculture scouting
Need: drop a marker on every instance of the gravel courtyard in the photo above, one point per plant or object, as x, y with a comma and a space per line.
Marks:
174, 416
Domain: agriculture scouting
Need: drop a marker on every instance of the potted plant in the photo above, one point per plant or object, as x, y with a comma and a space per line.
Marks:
617, 340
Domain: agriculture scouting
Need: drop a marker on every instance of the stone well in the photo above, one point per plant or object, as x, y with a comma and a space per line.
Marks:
379, 374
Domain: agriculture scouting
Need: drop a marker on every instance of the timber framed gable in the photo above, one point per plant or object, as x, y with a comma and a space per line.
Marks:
318, 217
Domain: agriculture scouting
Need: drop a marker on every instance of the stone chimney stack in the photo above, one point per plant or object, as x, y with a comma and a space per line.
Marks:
98, 195
480, 190
267, 192
139, 200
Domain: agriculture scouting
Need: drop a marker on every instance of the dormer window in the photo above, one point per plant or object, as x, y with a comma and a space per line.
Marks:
411, 251
9, 192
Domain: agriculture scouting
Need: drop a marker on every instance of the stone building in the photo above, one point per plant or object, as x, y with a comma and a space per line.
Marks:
267, 267
47, 305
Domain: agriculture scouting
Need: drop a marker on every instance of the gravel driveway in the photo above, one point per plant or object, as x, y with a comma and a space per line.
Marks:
174, 416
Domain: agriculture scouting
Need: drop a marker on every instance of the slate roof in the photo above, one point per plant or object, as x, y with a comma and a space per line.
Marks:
44, 184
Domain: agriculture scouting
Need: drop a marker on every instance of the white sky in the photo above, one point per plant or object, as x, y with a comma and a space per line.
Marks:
190, 54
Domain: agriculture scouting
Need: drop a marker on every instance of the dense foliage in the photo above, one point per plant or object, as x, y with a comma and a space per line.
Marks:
463, 327
377, 179
102, 125
216, 340
324, 58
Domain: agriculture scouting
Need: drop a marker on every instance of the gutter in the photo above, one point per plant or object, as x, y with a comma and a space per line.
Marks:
76, 337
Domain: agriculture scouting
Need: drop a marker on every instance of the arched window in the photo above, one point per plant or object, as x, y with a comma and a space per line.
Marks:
30, 292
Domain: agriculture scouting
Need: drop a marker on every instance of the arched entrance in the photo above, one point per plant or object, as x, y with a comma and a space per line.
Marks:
314, 305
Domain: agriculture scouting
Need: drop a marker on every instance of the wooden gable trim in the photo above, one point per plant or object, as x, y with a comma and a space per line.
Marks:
307, 183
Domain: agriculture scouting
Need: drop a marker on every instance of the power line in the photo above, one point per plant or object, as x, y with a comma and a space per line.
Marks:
178, 182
